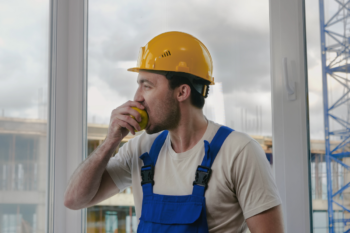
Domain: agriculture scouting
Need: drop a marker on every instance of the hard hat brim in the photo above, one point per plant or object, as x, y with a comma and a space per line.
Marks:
137, 69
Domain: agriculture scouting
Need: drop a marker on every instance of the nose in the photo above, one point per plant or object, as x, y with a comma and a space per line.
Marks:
138, 97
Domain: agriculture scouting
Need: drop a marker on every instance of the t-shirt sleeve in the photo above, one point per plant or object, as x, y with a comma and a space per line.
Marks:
119, 167
254, 183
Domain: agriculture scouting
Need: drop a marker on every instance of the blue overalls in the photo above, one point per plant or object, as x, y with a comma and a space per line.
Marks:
164, 213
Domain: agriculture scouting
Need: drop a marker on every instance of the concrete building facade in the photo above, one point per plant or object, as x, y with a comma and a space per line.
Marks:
24, 169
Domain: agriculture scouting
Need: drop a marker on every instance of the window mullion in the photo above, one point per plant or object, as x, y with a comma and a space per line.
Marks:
290, 112
67, 121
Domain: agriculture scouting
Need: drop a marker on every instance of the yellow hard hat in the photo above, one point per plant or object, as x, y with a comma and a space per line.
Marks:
176, 52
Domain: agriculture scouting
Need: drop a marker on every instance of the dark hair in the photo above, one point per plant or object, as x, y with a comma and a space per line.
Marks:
176, 80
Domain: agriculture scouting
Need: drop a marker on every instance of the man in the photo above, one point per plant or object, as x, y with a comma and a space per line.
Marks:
232, 188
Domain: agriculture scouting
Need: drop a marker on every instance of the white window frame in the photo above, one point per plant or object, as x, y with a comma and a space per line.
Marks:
68, 115
67, 112
290, 112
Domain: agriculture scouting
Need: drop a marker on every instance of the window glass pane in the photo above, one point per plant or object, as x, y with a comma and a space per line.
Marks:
24, 38
237, 36
328, 37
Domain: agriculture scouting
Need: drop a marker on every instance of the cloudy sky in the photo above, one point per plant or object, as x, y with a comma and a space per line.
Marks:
23, 56
235, 32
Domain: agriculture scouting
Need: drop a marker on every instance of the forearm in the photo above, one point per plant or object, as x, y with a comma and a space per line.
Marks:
85, 181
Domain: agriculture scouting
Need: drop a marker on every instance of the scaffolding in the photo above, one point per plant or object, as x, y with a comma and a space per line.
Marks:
335, 42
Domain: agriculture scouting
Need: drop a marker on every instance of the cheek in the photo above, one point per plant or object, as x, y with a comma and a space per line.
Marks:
156, 102
155, 108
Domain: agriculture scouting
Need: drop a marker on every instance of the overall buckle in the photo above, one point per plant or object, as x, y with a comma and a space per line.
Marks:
147, 174
202, 176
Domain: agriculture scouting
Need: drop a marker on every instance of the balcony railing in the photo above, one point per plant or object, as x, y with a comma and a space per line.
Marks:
19, 176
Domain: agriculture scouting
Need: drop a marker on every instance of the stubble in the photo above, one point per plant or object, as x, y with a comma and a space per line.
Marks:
167, 115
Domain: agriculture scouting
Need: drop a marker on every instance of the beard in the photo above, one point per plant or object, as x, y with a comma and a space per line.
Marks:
167, 115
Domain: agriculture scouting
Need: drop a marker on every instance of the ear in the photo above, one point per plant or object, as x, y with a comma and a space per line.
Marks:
183, 92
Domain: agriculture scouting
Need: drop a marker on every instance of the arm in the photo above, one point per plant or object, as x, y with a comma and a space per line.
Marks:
91, 183
256, 190
269, 221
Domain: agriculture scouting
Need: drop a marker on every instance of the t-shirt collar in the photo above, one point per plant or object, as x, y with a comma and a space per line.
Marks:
198, 147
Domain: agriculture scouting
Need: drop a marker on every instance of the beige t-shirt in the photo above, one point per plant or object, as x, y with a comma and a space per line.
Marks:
241, 184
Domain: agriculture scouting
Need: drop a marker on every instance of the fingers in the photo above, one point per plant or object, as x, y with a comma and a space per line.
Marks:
131, 121
127, 126
135, 114
127, 109
121, 117
133, 104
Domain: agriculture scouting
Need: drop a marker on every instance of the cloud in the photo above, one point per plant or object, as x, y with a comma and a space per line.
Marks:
101, 104
23, 56
235, 32
238, 42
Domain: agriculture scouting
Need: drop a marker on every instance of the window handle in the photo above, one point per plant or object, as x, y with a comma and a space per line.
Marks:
289, 84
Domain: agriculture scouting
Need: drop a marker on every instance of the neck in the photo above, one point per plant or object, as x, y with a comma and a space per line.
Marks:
190, 130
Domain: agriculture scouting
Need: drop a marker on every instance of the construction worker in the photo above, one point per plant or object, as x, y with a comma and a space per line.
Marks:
188, 174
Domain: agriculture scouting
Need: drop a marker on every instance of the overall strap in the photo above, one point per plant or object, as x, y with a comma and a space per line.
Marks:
215, 146
151, 158
157, 146
203, 171
149, 161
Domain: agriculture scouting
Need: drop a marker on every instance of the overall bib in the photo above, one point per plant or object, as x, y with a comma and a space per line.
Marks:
165, 213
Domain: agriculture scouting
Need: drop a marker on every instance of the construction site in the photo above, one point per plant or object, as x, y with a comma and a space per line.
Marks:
24, 177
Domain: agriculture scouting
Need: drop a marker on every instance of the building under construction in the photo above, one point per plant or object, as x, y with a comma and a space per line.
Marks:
23, 173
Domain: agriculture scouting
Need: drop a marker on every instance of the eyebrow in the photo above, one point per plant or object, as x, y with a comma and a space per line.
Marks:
145, 81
